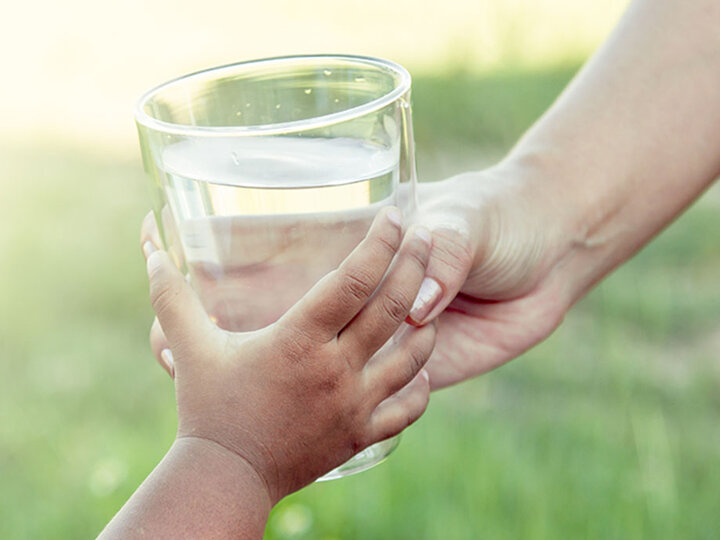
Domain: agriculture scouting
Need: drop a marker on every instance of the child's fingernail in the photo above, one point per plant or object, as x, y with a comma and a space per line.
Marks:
427, 298
425, 375
148, 248
424, 235
167, 356
154, 261
395, 216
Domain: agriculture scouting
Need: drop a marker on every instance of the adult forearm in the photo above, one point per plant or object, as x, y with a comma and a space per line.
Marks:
199, 490
633, 140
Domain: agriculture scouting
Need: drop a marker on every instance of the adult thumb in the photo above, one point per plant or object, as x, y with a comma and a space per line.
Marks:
450, 262
179, 311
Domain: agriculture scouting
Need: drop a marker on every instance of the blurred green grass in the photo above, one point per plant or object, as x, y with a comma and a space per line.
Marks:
607, 430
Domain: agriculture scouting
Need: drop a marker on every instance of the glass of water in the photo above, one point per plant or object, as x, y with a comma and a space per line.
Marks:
266, 174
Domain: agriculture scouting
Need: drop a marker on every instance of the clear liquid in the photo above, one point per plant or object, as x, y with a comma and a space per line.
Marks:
258, 221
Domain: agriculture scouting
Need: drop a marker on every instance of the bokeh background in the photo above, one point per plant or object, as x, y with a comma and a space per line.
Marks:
607, 430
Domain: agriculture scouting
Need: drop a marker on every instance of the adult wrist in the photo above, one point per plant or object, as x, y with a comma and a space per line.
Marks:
566, 211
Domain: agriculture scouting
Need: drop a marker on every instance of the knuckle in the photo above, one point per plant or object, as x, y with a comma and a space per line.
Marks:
162, 296
357, 284
395, 306
295, 344
419, 258
417, 357
387, 245
418, 254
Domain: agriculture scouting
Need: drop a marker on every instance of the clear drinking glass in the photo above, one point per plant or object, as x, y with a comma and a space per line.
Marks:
266, 174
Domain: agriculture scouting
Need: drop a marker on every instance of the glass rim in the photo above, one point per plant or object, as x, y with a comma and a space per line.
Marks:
402, 86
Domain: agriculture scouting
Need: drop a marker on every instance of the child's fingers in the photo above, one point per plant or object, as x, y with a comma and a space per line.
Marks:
178, 309
390, 306
340, 295
400, 361
400, 410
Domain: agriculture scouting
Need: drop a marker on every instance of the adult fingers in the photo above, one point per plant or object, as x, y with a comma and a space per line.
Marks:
450, 262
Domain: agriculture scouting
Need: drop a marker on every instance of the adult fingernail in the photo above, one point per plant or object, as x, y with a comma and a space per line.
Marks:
167, 356
395, 216
427, 298
148, 248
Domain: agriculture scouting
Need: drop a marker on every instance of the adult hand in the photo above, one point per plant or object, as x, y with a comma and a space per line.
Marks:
490, 280
494, 281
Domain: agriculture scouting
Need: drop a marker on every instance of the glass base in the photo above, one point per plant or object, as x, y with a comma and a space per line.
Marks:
364, 460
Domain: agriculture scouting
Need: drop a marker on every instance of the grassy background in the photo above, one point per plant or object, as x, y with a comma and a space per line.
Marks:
607, 430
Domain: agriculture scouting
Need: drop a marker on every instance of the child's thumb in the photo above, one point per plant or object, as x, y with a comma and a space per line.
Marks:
178, 309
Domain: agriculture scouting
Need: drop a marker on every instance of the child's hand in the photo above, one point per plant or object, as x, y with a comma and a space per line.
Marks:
302, 396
